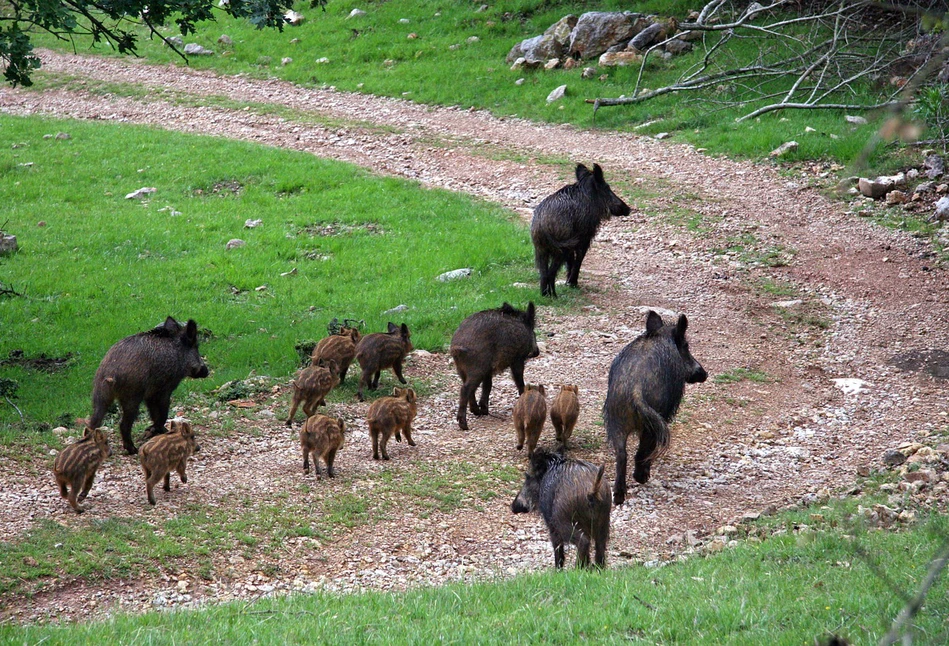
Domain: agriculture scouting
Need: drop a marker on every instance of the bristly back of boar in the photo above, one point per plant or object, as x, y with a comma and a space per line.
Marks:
147, 366
565, 223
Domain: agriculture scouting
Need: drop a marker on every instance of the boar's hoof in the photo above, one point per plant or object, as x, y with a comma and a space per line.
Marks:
130, 449
463, 423
398, 437
411, 442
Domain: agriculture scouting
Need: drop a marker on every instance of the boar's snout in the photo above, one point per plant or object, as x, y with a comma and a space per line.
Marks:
698, 375
200, 371
520, 506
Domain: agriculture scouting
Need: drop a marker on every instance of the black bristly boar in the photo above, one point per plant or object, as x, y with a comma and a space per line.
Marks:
323, 437
146, 367
380, 350
76, 466
574, 499
166, 453
530, 413
311, 387
647, 381
564, 412
487, 343
565, 223
390, 416
341, 348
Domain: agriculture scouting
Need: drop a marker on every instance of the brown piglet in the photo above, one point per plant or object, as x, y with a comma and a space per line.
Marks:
564, 411
323, 437
390, 416
312, 386
382, 350
76, 466
341, 348
167, 452
530, 413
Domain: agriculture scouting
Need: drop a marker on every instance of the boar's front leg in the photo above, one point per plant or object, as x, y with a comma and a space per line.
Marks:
397, 369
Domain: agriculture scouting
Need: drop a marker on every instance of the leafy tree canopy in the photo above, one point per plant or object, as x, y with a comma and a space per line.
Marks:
113, 21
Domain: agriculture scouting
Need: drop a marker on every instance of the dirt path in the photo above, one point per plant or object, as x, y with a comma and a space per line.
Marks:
867, 296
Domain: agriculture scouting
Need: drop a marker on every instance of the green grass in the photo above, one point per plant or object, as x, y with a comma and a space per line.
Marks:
803, 581
94, 267
743, 374
374, 54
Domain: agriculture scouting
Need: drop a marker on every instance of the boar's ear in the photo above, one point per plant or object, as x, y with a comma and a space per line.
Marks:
531, 314
581, 172
405, 331
410, 395
598, 174
540, 388
191, 333
392, 328
171, 325
342, 425
507, 308
681, 326
653, 323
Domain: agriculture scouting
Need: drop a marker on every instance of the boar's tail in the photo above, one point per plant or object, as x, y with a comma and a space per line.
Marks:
655, 431
594, 495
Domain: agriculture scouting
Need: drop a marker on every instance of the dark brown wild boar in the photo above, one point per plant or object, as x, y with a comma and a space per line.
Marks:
530, 413
390, 416
323, 437
311, 387
564, 224
574, 499
146, 367
341, 348
166, 453
564, 412
646, 384
380, 350
487, 343
76, 466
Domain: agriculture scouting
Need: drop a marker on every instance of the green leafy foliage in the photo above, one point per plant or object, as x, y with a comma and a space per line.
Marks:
117, 22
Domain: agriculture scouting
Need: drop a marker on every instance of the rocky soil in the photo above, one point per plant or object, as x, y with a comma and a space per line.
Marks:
861, 303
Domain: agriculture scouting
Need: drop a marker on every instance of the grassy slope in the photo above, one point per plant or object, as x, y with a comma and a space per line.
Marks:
802, 583
458, 58
102, 267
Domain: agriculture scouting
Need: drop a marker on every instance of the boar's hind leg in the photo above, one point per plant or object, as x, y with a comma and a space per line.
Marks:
167, 486
181, 470
306, 461
74, 503
599, 547
87, 486
558, 552
619, 485
466, 395
574, 260
643, 460
330, 458
62, 487
129, 413
375, 380
583, 550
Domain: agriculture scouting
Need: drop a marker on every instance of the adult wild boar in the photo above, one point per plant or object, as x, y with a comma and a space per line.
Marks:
146, 367
487, 343
565, 223
647, 381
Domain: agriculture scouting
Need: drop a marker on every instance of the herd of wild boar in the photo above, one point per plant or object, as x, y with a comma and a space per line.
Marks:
646, 383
